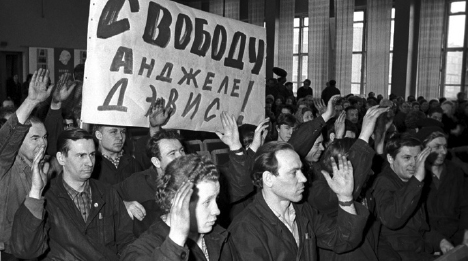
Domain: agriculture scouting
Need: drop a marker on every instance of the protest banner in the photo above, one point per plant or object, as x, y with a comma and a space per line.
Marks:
200, 63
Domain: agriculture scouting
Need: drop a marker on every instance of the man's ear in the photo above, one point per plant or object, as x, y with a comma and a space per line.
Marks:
156, 162
268, 179
390, 159
98, 135
60, 158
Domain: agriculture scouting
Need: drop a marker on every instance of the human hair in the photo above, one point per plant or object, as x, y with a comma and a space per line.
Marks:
192, 167
307, 81
349, 108
433, 110
449, 103
372, 101
433, 135
265, 160
63, 140
433, 101
33, 119
399, 141
414, 104
152, 147
332, 82
286, 119
341, 147
412, 119
288, 107
246, 134
422, 101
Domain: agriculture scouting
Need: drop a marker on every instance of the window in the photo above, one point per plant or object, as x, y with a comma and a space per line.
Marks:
453, 79
358, 64
300, 51
392, 30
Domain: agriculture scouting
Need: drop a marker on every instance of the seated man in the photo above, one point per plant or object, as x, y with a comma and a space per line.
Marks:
285, 126
447, 201
397, 193
275, 226
84, 219
20, 138
112, 165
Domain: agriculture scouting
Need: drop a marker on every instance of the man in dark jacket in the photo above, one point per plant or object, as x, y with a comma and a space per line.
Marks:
275, 226
20, 137
112, 165
447, 200
330, 91
400, 209
84, 219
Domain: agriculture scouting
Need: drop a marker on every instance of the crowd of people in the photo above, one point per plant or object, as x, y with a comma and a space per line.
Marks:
326, 177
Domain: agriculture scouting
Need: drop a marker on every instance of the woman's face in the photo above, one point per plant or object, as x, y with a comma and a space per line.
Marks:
203, 206
308, 116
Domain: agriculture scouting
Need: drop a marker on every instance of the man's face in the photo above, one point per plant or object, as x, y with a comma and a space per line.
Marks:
285, 111
34, 140
350, 134
170, 150
316, 150
204, 209
404, 163
289, 183
8, 103
111, 138
78, 163
284, 132
353, 116
438, 146
405, 107
416, 107
68, 124
436, 116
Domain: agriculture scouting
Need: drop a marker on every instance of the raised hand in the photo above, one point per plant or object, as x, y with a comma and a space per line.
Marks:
330, 112
340, 125
159, 113
179, 216
39, 174
342, 182
39, 89
135, 209
260, 134
320, 105
63, 89
420, 173
368, 123
230, 135
445, 246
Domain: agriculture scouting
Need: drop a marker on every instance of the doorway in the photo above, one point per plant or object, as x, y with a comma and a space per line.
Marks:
11, 63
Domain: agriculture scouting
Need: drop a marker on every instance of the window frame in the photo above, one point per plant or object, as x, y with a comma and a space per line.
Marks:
300, 53
363, 53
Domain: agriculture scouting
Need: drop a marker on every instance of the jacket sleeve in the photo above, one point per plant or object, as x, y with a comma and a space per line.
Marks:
12, 135
239, 181
29, 233
124, 225
395, 206
304, 138
360, 155
343, 233
152, 248
54, 126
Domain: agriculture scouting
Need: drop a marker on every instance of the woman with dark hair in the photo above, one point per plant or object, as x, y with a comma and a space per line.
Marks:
187, 229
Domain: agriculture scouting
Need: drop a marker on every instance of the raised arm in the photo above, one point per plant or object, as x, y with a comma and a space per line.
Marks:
304, 138
14, 130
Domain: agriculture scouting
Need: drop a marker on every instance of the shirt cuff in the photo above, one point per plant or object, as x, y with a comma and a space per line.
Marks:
35, 206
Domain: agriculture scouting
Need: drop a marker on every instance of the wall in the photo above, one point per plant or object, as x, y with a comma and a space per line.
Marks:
41, 23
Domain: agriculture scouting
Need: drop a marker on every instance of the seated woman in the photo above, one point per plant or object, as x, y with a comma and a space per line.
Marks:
187, 230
